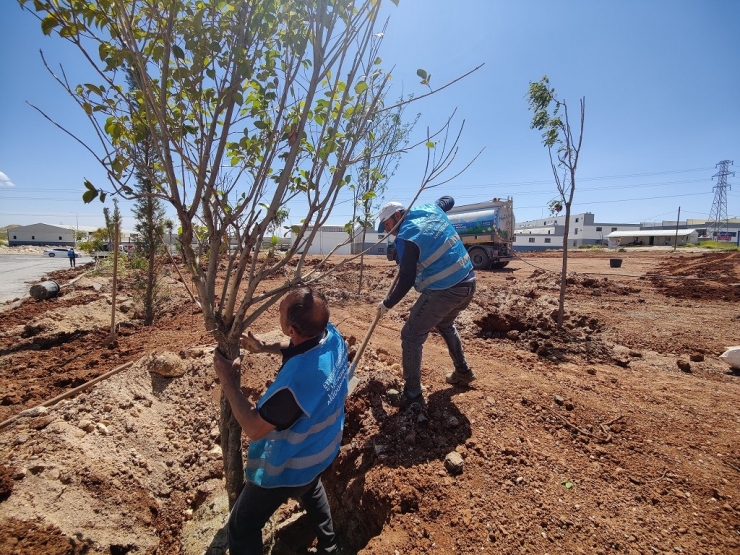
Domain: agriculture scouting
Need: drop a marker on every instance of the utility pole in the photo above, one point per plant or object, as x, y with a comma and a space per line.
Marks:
675, 239
718, 214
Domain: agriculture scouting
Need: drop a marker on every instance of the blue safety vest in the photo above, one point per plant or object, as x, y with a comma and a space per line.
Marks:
443, 260
318, 381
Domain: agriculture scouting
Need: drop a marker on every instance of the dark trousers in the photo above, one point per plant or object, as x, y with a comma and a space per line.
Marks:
433, 309
71, 262
256, 504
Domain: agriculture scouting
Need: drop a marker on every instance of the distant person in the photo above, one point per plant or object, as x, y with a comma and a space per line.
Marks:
71, 255
434, 261
295, 429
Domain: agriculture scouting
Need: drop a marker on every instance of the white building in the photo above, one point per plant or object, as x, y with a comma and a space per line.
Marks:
547, 233
56, 235
331, 237
653, 238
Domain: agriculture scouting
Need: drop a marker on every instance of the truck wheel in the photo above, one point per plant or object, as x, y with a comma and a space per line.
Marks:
499, 265
479, 258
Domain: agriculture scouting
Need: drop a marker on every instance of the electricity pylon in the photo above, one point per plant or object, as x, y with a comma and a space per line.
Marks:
718, 214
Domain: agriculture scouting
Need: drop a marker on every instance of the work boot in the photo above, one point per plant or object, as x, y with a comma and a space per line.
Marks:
463, 379
404, 401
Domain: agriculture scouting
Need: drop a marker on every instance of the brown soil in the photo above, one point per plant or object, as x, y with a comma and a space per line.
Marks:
617, 434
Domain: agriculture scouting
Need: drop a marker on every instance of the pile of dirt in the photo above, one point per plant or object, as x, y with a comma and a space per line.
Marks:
616, 434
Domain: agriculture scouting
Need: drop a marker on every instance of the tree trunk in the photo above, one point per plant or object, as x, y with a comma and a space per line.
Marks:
564, 273
116, 232
362, 260
231, 440
150, 277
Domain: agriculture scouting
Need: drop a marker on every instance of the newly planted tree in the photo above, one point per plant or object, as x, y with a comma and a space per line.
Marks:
552, 118
248, 106
387, 137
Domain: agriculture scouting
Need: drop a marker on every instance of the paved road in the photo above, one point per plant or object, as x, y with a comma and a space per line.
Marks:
17, 270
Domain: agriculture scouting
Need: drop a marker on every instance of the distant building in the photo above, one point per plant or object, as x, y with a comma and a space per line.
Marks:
334, 239
56, 235
547, 233
653, 238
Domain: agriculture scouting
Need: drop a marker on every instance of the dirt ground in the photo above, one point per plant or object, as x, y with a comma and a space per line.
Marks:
618, 434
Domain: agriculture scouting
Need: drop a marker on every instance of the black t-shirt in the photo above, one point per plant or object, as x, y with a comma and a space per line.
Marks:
282, 410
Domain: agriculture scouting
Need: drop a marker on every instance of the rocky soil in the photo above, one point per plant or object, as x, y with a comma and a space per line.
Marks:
617, 434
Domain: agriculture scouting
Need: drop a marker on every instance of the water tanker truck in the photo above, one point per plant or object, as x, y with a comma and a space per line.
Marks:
486, 230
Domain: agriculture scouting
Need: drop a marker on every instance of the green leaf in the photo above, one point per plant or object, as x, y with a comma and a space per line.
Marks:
567, 484
102, 196
178, 52
421, 73
378, 61
259, 124
295, 229
429, 144
89, 186
360, 87
395, 2
48, 24
89, 196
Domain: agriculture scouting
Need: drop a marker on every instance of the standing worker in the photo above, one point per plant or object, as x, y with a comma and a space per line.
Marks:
295, 430
71, 254
432, 259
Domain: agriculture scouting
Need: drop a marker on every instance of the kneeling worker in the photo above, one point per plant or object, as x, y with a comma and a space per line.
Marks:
295, 430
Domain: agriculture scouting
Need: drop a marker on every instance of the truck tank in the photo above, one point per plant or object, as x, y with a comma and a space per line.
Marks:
487, 231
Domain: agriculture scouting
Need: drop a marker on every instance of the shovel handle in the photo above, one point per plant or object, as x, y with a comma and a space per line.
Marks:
369, 333
363, 345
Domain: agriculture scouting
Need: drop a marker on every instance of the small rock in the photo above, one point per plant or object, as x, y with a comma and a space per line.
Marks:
20, 474
683, 365
167, 364
454, 463
697, 357
86, 425
102, 428
591, 371
512, 335
559, 400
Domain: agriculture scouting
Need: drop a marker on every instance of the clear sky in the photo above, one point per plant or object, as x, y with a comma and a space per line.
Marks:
661, 81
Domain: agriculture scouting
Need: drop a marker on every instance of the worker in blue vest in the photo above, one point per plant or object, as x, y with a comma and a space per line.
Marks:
433, 260
71, 255
295, 429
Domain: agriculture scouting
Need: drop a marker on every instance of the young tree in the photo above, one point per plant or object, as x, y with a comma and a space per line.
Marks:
148, 209
388, 136
557, 133
250, 106
113, 224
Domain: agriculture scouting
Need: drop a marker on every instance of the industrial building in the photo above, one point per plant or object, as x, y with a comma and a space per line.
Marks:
43, 235
547, 233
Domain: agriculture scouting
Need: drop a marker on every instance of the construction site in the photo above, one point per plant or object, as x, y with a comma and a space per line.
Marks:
618, 433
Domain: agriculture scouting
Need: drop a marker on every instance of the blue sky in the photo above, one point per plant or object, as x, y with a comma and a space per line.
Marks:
660, 78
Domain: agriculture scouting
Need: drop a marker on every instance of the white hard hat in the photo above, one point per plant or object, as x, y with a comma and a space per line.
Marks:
388, 210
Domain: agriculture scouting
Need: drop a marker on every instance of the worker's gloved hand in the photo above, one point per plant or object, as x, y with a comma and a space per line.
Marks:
226, 370
382, 308
251, 343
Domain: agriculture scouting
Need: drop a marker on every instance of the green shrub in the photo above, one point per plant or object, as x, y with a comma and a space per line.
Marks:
719, 245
